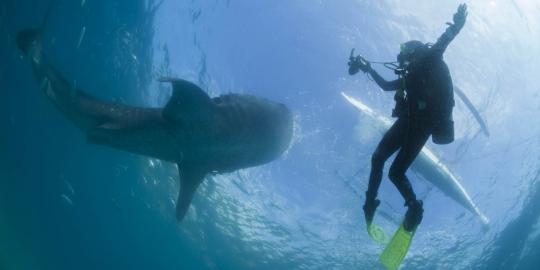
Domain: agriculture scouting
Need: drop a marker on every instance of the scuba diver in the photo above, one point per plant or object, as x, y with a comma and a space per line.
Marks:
424, 103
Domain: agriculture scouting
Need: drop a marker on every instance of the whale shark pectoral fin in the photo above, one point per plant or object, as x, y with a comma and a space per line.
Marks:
190, 179
188, 101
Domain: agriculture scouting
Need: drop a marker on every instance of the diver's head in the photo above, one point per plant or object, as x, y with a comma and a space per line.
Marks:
411, 51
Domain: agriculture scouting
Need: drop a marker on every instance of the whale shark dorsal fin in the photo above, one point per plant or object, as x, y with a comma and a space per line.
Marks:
190, 179
188, 101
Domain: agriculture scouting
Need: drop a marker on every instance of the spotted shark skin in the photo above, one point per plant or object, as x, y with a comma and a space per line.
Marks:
200, 134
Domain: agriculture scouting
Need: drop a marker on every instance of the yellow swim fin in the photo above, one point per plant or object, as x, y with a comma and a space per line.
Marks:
397, 249
377, 234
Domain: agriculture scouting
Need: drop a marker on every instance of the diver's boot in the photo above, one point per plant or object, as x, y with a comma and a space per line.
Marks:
414, 215
370, 206
369, 210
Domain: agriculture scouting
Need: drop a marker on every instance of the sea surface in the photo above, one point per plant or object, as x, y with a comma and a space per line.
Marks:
67, 204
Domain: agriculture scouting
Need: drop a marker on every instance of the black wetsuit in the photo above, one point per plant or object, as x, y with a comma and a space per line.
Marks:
416, 122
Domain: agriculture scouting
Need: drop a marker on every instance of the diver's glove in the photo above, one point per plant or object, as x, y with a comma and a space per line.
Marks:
357, 63
459, 19
365, 66
354, 66
369, 207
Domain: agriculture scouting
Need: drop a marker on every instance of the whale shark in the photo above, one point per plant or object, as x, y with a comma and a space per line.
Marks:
200, 134
427, 164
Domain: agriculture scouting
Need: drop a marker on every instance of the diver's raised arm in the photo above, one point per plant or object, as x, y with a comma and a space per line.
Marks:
451, 32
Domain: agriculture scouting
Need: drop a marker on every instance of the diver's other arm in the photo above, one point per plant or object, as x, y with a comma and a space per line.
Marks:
384, 84
359, 63
452, 31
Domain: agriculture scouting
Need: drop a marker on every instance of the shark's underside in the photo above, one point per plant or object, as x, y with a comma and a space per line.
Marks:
199, 133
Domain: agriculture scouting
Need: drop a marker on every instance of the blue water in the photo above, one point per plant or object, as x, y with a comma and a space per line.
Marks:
65, 204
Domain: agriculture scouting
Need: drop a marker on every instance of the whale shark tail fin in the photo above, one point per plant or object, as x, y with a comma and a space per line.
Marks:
190, 179
28, 37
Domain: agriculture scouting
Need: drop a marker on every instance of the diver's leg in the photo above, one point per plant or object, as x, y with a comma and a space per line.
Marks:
417, 136
388, 145
410, 149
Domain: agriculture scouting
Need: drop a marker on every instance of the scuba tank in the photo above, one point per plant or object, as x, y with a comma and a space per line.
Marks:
432, 83
443, 131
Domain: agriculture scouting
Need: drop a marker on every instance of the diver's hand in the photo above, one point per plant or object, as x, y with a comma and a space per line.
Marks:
365, 66
460, 17
358, 63
369, 209
353, 66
